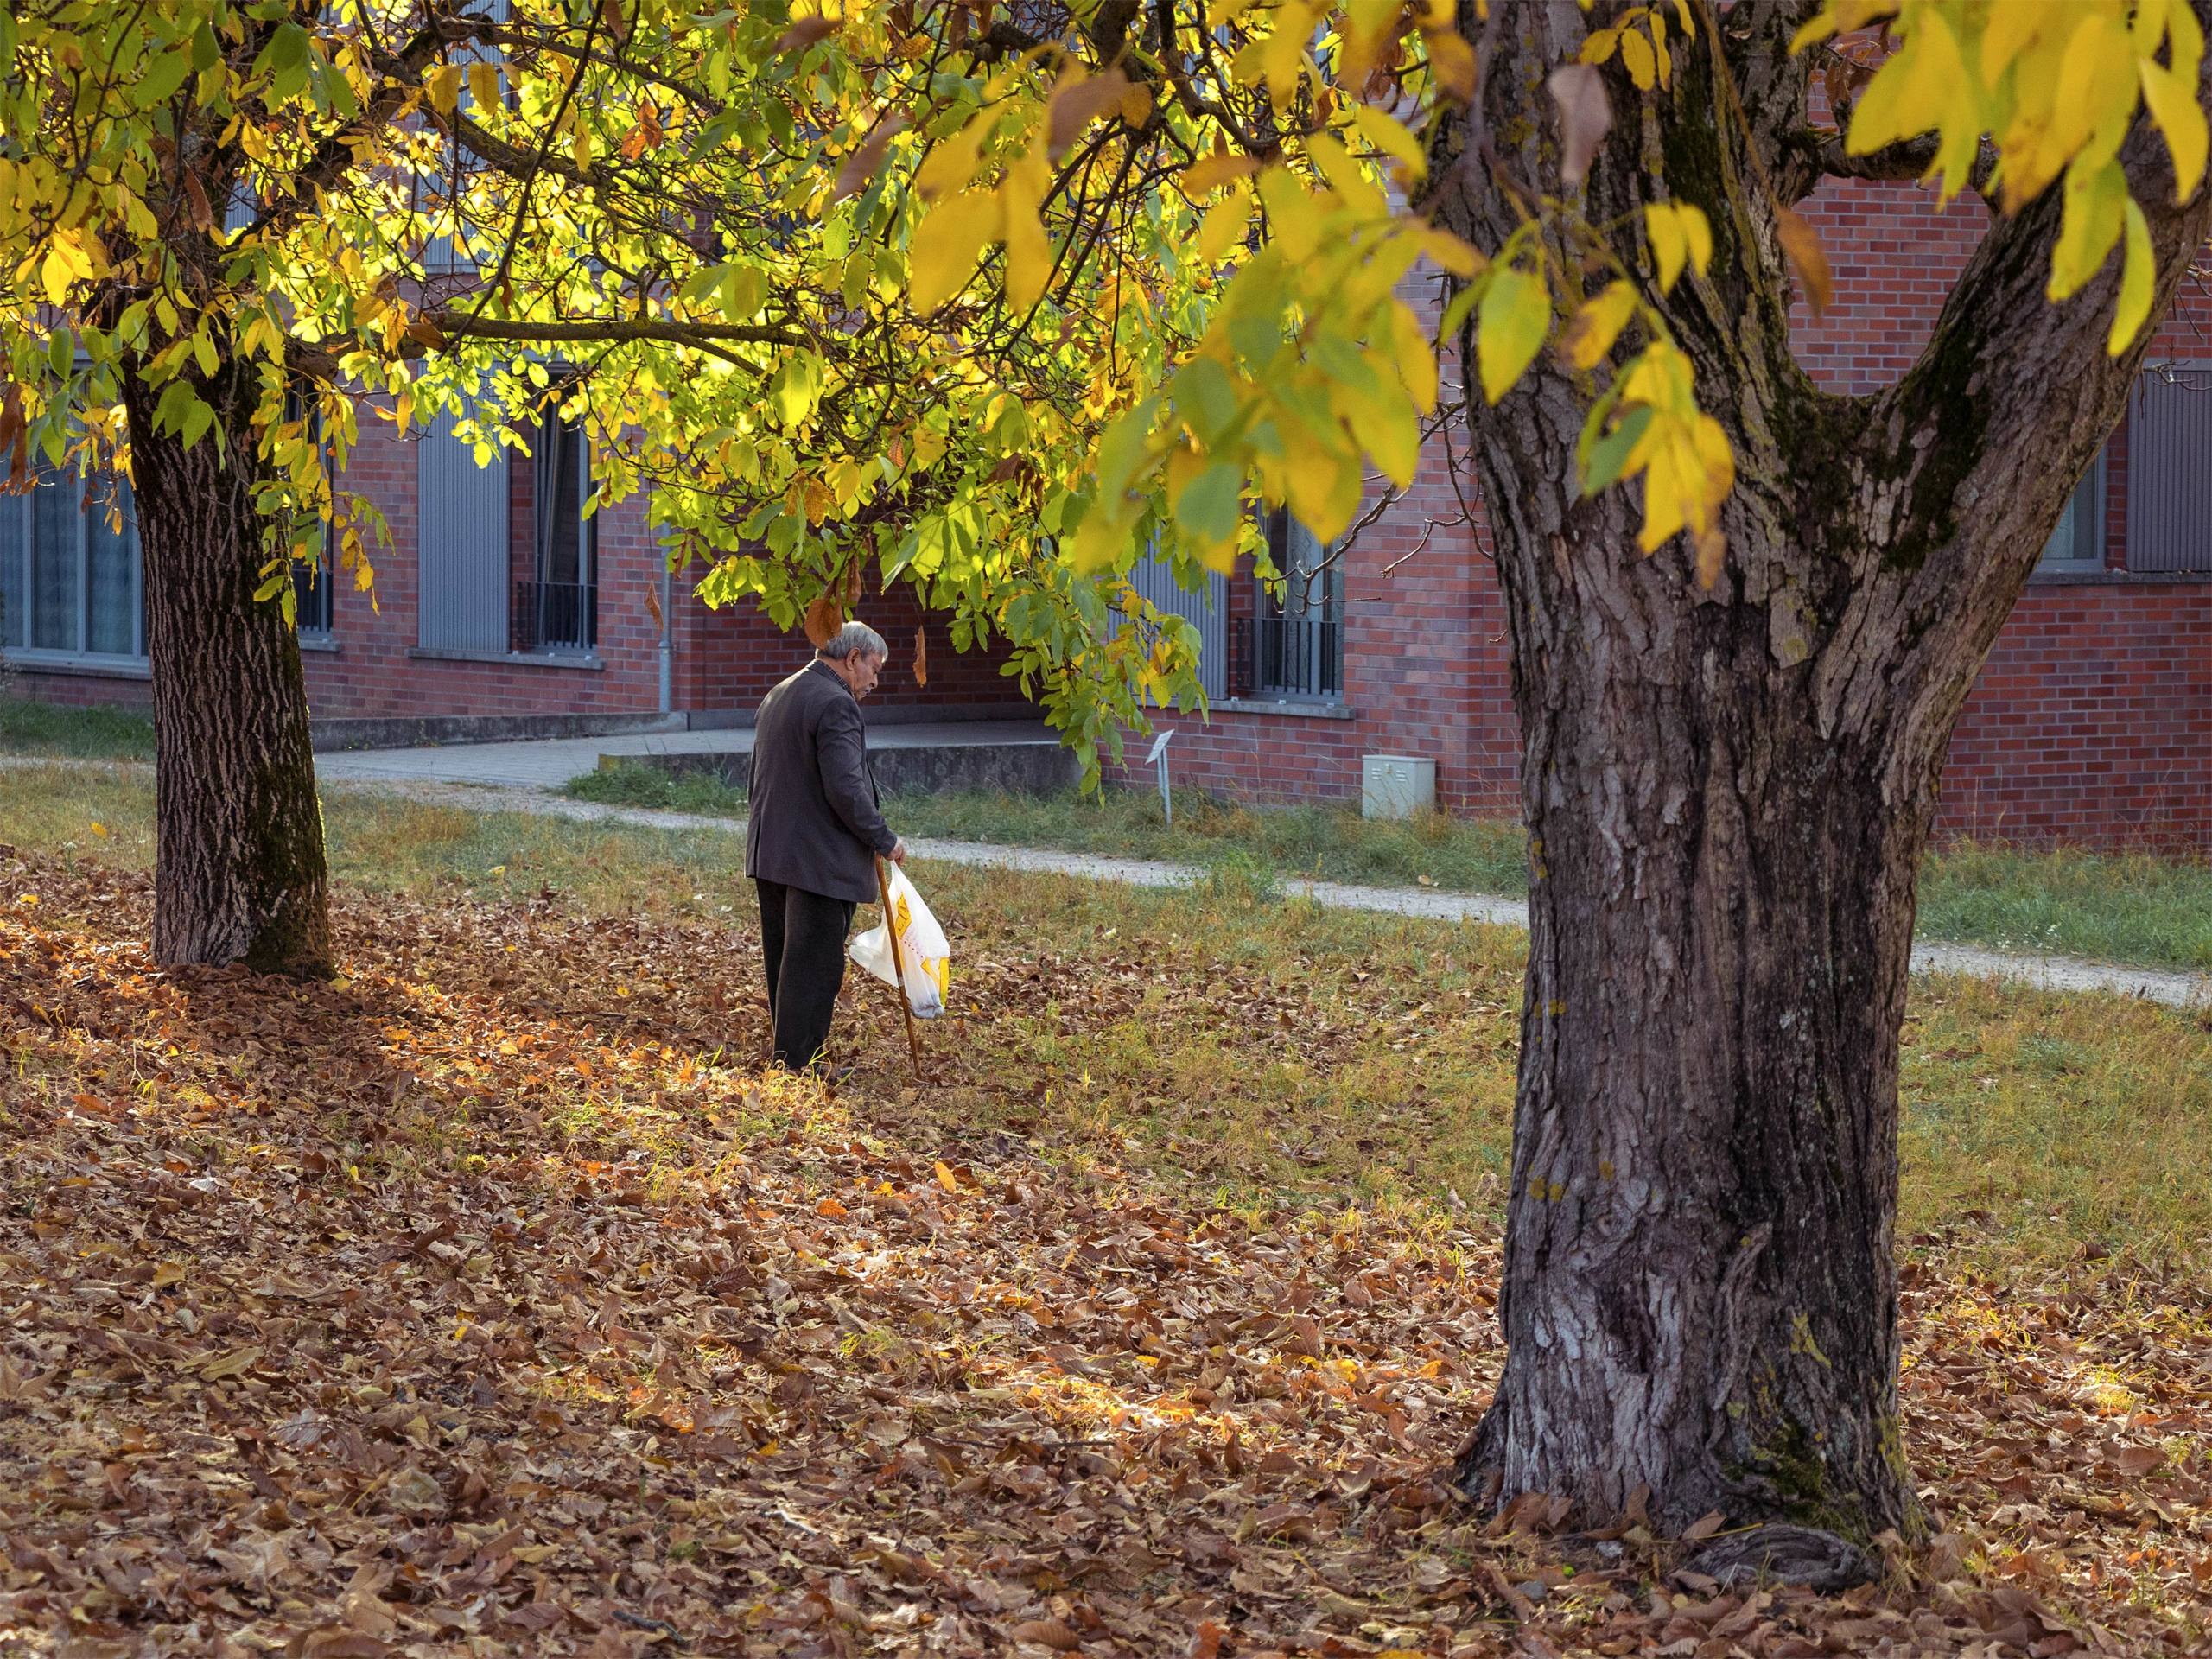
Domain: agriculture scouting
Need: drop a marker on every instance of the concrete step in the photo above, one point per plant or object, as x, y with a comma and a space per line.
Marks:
1018, 758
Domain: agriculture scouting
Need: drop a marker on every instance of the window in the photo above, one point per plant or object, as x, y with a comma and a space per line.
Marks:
1299, 636
558, 609
70, 582
314, 586
2169, 486
2078, 544
311, 588
1206, 610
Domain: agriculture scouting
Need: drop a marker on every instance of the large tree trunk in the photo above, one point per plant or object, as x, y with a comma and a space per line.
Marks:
1701, 1297
239, 875
1728, 790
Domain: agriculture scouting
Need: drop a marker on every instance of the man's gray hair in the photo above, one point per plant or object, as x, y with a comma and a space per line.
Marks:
855, 639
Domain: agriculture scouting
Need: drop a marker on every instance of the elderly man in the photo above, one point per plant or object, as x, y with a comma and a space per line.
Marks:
814, 829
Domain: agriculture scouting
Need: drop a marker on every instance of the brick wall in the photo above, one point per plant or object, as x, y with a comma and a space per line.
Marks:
724, 661
727, 659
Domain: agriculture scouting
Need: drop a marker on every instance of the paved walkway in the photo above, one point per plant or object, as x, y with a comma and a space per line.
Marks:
2177, 990
548, 763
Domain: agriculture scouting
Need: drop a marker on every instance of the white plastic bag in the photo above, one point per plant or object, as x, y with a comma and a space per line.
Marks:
928, 958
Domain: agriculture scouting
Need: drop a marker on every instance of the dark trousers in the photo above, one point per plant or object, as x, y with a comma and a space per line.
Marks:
802, 942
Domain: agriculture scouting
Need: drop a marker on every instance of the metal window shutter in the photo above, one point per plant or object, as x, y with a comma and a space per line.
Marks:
2169, 471
1207, 610
462, 543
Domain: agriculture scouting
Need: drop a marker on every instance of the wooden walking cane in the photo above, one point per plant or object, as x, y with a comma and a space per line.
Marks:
898, 962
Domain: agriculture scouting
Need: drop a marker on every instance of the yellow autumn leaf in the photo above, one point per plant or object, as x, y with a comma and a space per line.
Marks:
951, 165
1512, 319
1282, 55
1293, 217
1388, 135
1679, 234
1413, 356
1211, 172
1636, 58
1461, 258
1323, 479
948, 245
2137, 270
444, 86
1028, 250
57, 270
1598, 324
2088, 228
2180, 115
1452, 61
1670, 247
1224, 225
484, 85
1908, 85
1346, 177
1699, 232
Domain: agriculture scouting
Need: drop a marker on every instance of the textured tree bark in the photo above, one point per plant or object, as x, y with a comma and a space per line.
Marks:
1728, 791
239, 874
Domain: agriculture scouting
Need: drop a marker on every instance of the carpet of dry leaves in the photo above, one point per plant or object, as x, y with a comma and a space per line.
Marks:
488, 1301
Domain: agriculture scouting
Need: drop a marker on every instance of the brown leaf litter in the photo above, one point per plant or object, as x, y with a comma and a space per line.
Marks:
488, 1301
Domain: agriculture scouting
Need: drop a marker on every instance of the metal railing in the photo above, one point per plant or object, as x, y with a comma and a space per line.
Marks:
1287, 657
555, 616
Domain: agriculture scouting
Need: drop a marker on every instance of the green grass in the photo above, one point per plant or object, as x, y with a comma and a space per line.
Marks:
2120, 908
2132, 907
1259, 1047
29, 727
1328, 841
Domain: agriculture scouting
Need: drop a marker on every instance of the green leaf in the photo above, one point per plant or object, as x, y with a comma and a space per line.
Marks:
1516, 313
162, 79
1209, 503
287, 49
1205, 398
1610, 452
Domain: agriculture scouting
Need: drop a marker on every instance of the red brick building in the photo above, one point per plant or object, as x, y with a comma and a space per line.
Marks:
499, 610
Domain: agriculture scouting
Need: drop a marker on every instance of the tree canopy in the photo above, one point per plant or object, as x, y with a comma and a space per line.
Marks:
990, 299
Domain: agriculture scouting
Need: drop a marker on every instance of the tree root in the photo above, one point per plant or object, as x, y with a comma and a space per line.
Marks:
1787, 1554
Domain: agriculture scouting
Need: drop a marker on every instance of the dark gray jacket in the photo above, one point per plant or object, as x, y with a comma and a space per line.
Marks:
813, 820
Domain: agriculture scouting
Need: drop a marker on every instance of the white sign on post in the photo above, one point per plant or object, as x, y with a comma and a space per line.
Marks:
1158, 758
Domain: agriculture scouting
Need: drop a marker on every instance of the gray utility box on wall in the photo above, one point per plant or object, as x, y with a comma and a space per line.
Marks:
1395, 785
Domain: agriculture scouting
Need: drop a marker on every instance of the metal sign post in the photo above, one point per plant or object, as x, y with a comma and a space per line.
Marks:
1158, 758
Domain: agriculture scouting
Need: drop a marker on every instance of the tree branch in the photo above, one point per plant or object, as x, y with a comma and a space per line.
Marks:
1773, 83
1974, 452
704, 335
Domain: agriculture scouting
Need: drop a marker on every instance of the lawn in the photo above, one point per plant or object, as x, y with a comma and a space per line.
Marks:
2128, 907
30, 728
2133, 907
488, 1298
